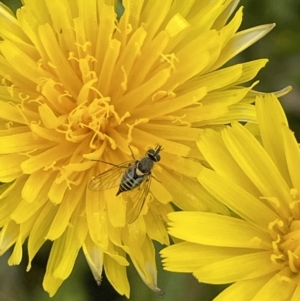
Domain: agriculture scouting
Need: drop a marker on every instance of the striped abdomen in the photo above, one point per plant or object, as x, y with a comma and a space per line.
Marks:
131, 179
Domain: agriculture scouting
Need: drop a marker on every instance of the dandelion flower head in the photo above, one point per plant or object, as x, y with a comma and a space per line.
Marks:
258, 248
79, 84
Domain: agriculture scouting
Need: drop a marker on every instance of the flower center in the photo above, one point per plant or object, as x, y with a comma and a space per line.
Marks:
291, 246
93, 118
286, 243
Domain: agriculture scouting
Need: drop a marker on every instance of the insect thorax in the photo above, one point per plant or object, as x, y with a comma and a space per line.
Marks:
145, 165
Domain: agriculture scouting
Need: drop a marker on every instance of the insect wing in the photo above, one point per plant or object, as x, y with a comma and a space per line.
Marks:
136, 200
109, 178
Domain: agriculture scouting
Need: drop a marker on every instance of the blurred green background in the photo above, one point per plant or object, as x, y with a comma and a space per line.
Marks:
282, 48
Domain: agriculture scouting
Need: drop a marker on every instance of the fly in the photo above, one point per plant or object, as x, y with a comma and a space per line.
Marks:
133, 176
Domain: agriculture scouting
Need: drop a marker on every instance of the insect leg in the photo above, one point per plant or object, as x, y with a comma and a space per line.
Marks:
155, 178
132, 154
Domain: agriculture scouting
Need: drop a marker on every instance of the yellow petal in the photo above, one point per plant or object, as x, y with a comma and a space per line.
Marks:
183, 100
156, 228
184, 166
176, 25
256, 164
278, 288
250, 70
143, 138
58, 59
9, 111
24, 64
224, 16
37, 186
96, 213
10, 28
116, 274
46, 158
25, 229
254, 265
8, 236
217, 230
239, 288
94, 257
188, 191
116, 208
142, 252
241, 41
134, 234
172, 132
103, 43
111, 56
22, 143
272, 120
64, 252
191, 66
26, 209
48, 117
220, 78
219, 158
239, 112
153, 15
187, 257
207, 13
230, 97
10, 167
240, 201
50, 283
39, 230
228, 31
57, 192
292, 157
10, 196
296, 294
160, 192
74, 238
117, 253
65, 211
144, 262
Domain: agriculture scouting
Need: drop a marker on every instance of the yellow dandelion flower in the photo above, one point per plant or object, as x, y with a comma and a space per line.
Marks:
258, 248
80, 84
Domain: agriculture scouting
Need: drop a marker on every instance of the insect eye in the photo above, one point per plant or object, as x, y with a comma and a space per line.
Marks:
153, 155
156, 158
